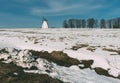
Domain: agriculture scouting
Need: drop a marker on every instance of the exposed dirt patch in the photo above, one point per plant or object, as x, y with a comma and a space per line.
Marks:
10, 73
57, 57
91, 48
8, 68
86, 64
78, 46
101, 71
111, 50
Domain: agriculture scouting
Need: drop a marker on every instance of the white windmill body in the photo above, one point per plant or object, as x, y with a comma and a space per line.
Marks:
44, 23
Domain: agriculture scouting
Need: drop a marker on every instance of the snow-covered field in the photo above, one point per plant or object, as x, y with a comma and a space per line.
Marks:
100, 45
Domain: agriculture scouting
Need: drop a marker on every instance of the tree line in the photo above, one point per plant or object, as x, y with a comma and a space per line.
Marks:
92, 23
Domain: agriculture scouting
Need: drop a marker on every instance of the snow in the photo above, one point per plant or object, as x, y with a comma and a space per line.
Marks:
74, 67
99, 61
63, 40
15, 73
83, 76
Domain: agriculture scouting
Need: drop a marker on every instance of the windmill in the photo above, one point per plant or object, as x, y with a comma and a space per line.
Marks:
44, 23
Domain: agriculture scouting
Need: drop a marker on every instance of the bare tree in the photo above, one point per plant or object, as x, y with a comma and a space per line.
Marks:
65, 24
78, 23
71, 23
91, 23
102, 23
83, 23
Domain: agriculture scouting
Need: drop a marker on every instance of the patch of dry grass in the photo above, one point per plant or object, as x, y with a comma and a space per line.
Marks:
7, 75
78, 46
57, 57
91, 48
112, 50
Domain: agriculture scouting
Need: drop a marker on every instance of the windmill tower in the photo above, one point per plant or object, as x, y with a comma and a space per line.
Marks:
44, 23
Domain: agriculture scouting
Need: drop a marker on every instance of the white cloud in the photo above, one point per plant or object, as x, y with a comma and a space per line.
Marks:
64, 7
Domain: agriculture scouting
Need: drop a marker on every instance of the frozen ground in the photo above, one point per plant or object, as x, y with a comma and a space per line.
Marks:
100, 45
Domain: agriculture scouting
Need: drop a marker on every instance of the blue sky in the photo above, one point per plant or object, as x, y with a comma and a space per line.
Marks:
29, 13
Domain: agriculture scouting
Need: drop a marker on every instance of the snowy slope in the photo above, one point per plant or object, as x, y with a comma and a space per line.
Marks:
63, 40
